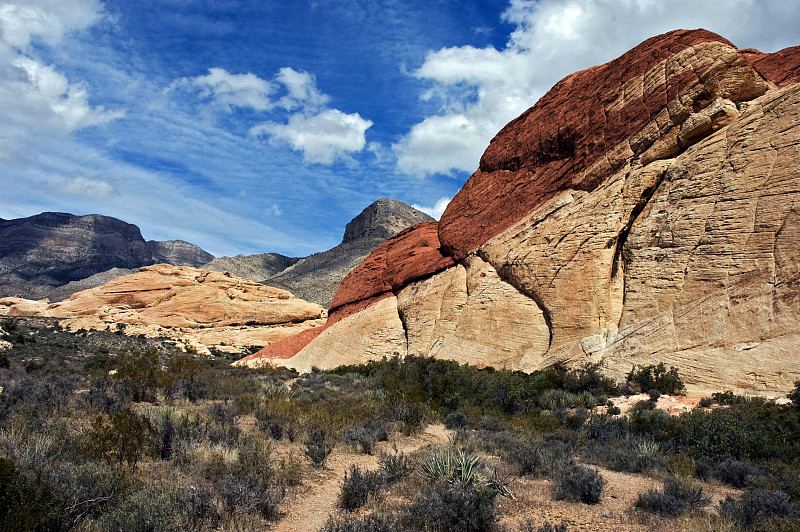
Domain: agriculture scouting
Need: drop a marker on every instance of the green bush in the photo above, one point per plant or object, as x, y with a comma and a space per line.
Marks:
123, 437
759, 506
655, 377
395, 466
452, 466
675, 497
359, 486
451, 507
318, 448
139, 374
20, 506
576, 482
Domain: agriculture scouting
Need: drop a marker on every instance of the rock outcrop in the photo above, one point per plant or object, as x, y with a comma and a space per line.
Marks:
198, 307
645, 210
317, 277
51, 249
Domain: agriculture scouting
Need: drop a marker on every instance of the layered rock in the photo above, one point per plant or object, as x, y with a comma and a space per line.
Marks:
199, 307
643, 211
52, 249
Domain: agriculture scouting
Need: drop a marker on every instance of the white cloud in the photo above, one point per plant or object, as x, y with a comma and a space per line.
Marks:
322, 137
36, 97
235, 90
81, 186
48, 20
301, 90
275, 210
482, 89
44, 92
436, 210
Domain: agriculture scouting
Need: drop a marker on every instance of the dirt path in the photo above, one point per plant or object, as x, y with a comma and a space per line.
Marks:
308, 509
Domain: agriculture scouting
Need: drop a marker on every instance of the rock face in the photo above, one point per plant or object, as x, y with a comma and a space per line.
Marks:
643, 211
199, 307
52, 249
260, 266
317, 277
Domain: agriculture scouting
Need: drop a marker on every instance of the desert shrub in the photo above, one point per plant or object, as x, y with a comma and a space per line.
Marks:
455, 421
183, 378
605, 427
589, 379
367, 523
150, 507
558, 399
654, 394
361, 437
737, 474
358, 486
139, 374
794, 395
535, 456
20, 506
655, 377
199, 506
123, 437
250, 491
395, 466
222, 426
705, 402
714, 436
528, 526
674, 498
645, 419
759, 506
317, 447
576, 482
681, 465
451, 506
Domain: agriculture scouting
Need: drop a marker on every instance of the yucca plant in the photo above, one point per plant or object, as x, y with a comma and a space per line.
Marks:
453, 466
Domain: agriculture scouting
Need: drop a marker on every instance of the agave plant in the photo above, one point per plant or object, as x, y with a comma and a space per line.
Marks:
453, 466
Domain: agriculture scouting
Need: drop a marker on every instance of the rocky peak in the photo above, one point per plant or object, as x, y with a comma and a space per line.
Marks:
383, 218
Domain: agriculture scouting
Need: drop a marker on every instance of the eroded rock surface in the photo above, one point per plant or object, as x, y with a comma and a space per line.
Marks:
200, 307
643, 211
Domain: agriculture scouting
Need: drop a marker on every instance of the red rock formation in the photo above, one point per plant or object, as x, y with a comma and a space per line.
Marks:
781, 68
581, 120
409, 255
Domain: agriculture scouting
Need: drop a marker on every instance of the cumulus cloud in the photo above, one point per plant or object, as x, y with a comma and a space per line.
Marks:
93, 188
235, 90
482, 89
435, 211
301, 88
322, 137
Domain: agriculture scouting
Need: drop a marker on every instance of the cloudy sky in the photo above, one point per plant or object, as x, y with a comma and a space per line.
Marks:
247, 126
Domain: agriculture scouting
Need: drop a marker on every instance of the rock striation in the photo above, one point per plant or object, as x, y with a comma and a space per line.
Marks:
645, 210
198, 307
49, 250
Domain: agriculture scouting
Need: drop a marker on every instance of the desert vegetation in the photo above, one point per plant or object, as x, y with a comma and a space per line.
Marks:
100, 431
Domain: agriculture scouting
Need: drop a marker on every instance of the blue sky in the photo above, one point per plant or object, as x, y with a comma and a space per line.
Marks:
254, 126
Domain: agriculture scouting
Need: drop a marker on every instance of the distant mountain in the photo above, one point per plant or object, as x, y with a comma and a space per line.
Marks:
254, 267
52, 249
317, 277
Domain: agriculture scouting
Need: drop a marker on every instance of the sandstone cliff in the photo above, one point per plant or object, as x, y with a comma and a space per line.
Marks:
644, 210
201, 308
49, 250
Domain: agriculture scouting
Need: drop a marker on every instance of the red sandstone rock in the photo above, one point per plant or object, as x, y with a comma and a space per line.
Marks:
409, 255
283, 348
578, 122
781, 68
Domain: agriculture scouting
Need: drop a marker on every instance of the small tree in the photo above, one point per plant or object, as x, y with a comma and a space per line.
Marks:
122, 437
139, 374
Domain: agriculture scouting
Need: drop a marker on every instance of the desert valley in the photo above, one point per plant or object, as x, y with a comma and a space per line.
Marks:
601, 332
